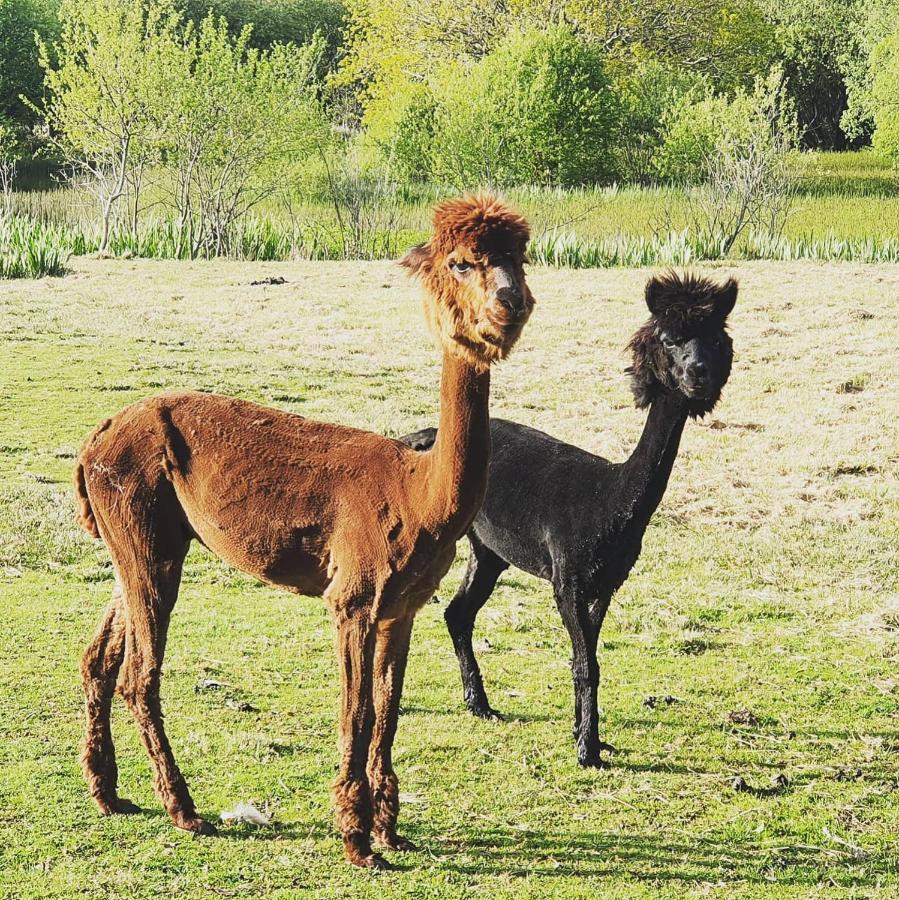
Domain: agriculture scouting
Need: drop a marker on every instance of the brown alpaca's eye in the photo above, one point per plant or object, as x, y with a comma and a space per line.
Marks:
461, 267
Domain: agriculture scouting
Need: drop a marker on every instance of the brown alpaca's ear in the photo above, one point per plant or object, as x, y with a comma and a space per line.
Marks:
727, 297
418, 260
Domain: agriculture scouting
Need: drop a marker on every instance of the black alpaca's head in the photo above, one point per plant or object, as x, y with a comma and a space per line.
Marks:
684, 346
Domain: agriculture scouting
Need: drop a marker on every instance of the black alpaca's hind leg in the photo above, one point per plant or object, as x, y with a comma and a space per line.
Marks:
584, 634
484, 568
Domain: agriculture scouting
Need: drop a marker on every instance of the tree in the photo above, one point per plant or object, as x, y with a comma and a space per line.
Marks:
748, 182
234, 121
539, 109
20, 70
874, 21
100, 103
884, 93
393, 42
813, 38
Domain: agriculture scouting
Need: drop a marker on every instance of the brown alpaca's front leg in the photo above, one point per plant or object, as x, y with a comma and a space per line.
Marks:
99, 668
391, 653
352, 795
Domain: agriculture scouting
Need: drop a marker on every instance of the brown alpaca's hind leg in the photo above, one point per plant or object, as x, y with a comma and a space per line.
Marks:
99, 668
391, 652
151, 588
352, 795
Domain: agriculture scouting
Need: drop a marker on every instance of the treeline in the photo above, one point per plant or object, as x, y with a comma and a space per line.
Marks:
626, 73
201, 112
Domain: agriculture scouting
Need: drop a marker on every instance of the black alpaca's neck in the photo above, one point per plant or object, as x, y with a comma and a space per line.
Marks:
644, 476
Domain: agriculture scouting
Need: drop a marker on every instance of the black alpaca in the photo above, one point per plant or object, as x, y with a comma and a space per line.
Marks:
578, 520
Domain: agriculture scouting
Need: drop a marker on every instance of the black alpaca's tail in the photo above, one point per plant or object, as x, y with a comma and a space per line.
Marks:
421, 440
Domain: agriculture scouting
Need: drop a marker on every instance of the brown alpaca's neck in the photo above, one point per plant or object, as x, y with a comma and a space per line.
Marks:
461, 453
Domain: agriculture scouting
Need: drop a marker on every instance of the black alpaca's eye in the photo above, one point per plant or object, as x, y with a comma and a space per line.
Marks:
667, 343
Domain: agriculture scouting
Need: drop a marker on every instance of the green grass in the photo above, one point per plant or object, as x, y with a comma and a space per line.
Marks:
31, 249
846, 209
768, 583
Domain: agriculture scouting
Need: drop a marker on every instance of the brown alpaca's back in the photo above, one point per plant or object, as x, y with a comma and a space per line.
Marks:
287, 499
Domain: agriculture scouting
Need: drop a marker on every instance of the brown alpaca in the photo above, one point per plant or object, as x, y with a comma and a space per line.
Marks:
315, 508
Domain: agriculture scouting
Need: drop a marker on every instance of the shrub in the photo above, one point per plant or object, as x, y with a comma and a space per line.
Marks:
539, 109
646, 94
885, 96
748, 181
694, 128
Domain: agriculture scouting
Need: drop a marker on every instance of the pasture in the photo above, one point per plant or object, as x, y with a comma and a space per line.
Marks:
765, 606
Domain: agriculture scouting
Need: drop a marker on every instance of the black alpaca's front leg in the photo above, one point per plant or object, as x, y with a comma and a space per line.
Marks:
584, 634
484, 568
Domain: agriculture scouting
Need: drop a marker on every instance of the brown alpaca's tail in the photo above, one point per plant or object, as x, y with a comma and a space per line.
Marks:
85, 515
86, 518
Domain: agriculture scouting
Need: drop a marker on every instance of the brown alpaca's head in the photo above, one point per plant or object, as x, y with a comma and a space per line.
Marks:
473, 270
684, 347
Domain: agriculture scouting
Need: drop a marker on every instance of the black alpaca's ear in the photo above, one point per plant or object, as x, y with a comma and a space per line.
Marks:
663, 292
418, 260
727, 297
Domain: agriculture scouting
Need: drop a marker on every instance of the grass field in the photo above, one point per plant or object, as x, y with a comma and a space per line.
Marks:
766, 602
846, 209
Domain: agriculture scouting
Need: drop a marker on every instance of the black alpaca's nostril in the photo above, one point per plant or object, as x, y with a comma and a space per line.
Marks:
697, 370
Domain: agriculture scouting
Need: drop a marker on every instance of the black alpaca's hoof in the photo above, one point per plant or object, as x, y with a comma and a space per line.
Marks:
593, 759
593, 762
486, 712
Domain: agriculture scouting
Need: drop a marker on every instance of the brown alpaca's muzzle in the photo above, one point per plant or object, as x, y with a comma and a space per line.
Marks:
504, 317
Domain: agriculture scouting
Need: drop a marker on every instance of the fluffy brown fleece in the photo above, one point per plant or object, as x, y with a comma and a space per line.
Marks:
311, 507
480, 232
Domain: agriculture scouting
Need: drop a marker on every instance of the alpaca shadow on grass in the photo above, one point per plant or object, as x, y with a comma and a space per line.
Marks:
650, 857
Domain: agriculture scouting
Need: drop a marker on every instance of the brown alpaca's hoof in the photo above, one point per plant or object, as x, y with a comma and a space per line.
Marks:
196, 825
393, 841
117, 806
359, 853
372, 861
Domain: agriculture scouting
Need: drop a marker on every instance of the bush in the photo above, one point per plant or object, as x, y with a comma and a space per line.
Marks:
645, 95
693, 129
401, 130
885, 96
537, 110
748, 183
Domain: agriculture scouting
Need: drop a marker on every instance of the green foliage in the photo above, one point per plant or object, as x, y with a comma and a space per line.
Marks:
30, 249
815, 39
274, 21
391, 41
697, 130
20, 70
138, 99
885, 96
871, 23
537, 110
99, 75
694, 128
647, 93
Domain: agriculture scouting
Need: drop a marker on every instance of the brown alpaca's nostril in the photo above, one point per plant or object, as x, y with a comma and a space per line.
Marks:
510, 298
